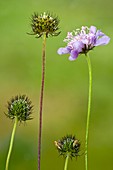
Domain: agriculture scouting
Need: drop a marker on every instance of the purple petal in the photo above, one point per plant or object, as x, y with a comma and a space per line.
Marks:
74, 55
64, 50
93, 29
92, 39
99, 33
78, 45
102, 41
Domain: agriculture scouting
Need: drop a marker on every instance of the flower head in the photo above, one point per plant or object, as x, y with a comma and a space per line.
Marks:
20, 107
83, 40
44, 23
68, 145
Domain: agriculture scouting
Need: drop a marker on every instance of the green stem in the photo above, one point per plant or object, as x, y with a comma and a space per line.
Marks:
66, 162
41, 100
11, 143
89, 110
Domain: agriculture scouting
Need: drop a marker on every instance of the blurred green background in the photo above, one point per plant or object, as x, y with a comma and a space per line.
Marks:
66, 90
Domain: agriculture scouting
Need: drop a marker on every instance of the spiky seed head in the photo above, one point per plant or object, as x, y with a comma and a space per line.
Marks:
44, 23
20, 107
68, 145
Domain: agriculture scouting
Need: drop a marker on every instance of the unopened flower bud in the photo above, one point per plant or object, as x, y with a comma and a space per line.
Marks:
68, 145
20, 107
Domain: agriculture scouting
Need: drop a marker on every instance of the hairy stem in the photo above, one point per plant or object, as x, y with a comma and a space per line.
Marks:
89, 110
41, 100
11, 143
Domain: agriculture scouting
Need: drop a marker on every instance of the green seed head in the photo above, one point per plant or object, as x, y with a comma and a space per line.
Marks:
20, 107
44, 23
68, 145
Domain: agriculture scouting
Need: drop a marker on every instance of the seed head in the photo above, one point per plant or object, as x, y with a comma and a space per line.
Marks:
44, 23
68, 145
20, 107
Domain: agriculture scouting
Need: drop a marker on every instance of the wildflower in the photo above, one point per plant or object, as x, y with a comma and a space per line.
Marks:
81, 41
44, 23
20, 107
68, 145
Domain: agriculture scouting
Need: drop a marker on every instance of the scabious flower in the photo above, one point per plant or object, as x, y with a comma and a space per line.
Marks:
68, 145
44, 23
83, 40
20, 107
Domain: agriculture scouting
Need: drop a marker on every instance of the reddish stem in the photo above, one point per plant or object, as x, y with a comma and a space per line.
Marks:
41, 101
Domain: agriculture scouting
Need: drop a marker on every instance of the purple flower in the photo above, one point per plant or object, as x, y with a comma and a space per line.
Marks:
83, 40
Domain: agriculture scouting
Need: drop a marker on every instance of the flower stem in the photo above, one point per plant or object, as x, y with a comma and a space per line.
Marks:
41, 100
11, 143
89, 110
66, 162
